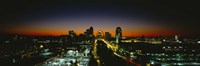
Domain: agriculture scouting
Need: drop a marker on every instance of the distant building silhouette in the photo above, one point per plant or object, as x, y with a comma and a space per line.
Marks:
91, 31
118, 34
71, 37
176, 37
89, 34
72, 33
107, 35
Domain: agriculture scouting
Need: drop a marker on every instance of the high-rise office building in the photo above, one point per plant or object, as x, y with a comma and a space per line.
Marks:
72, 33
118, 34
89, 32
176, 37
107, 35
71, 36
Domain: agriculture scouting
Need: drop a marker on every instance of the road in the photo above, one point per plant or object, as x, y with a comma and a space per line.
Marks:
113, 56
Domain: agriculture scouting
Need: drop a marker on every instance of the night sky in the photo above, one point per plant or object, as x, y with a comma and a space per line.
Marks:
149, 18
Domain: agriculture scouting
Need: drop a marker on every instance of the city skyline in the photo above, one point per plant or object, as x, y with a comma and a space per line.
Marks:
78, 32
99, 33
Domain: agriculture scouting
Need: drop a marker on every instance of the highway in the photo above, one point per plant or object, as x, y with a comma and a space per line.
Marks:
113, 47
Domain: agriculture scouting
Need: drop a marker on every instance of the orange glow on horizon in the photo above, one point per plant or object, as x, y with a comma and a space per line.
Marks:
127, 32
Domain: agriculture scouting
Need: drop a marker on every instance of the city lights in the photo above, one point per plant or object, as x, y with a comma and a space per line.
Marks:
99, 33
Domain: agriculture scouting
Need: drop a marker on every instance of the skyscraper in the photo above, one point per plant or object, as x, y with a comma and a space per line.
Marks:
118, 34
71, 33
71, 37
107, 35
91, 31
176, 37
89, 34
